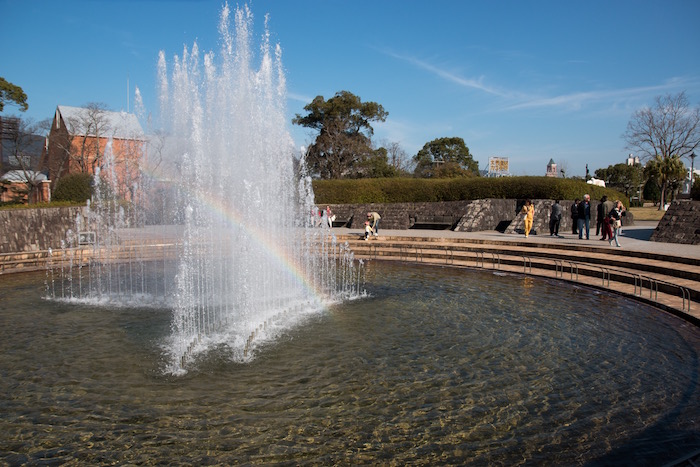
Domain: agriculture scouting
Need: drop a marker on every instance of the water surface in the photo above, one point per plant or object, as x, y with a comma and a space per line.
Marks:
439, 366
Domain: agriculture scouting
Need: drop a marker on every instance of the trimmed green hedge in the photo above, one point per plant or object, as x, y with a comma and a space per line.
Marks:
52, 204
414, 190
75, 187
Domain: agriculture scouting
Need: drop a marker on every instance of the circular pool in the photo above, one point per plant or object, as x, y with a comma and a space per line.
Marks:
437, 366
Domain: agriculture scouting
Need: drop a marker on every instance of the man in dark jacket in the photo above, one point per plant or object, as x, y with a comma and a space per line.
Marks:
574, 217
555, 219
584, 216
600, 215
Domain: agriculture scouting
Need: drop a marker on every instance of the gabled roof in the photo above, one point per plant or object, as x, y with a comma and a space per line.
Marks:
121, 125
22, 176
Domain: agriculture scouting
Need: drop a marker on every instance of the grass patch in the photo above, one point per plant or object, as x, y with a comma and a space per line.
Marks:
648, 213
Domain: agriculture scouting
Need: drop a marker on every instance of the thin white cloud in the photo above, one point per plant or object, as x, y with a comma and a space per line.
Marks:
472, 83
576, 100
299, 98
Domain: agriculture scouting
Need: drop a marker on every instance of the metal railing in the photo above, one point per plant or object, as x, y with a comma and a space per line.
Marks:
642, 285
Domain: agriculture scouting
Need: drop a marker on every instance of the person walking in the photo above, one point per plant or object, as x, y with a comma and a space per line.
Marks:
584, 216
555, 219
529, 211
616, 222
574, 217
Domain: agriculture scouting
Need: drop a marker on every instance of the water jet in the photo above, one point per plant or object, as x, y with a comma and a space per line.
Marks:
229, 191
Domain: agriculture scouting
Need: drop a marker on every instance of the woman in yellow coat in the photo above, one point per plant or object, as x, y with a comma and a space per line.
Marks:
529, 211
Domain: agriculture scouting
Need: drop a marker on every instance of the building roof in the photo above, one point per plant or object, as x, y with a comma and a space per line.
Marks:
23, 176
31, 146
121, 125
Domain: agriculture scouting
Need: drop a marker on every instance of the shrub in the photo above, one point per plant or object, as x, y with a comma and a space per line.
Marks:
411, 190
695, 189
74, 187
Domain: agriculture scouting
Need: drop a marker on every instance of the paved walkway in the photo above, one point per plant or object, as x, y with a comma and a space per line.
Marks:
633, 238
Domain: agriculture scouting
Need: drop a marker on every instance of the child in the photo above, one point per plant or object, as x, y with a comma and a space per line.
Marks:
368, 230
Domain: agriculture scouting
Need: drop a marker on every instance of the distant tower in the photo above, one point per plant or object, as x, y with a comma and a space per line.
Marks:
631, 160
552, 169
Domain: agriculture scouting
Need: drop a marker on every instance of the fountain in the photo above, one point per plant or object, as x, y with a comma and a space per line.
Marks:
246, 259
436, 366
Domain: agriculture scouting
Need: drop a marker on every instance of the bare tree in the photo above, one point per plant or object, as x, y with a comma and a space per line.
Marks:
23, 141
670, 129
79, 144
397, 156
88, 130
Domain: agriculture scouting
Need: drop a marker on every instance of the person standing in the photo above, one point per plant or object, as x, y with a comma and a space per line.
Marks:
616, 221
584, 216
607, 229
600, 216
373, 218
574, 217
607, 207
555, 218
529, 211
330, 216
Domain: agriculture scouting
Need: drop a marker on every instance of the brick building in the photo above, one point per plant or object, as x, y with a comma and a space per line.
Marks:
88, 139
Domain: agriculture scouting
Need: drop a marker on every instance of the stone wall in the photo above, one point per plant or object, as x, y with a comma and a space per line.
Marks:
680, 224
466, 216
487, 214
400, 216
40, 229
35, 229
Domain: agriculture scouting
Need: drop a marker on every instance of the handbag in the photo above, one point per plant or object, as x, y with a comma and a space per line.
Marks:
617, 223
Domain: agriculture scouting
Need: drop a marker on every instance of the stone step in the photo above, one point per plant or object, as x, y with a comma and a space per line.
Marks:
663, 282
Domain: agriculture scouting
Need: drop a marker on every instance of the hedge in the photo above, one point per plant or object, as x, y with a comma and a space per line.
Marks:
74, 187
413, 190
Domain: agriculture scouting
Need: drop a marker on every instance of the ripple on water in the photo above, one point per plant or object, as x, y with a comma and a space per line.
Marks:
437, 366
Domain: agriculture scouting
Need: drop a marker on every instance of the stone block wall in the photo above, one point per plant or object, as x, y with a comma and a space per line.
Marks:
399, 216
40, 229
468, 216
680, 224
35, 229
487, 214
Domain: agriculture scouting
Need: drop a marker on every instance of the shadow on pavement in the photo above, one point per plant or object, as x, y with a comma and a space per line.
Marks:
637, 234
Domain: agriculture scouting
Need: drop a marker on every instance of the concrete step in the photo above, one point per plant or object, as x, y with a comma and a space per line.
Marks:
659, 279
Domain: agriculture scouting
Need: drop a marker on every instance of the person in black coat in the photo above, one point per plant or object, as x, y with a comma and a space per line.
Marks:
555, 219
600, 216
574, 217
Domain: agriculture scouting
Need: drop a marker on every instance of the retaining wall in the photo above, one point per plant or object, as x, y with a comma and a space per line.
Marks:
680, 224
35, 229
469, 216
40, 229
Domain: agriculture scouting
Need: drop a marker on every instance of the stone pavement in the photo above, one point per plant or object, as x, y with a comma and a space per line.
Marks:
633, 238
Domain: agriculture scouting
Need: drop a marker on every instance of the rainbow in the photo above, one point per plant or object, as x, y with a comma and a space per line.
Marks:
231, 217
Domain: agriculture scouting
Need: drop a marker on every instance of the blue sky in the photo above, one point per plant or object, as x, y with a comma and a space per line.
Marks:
527, 80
